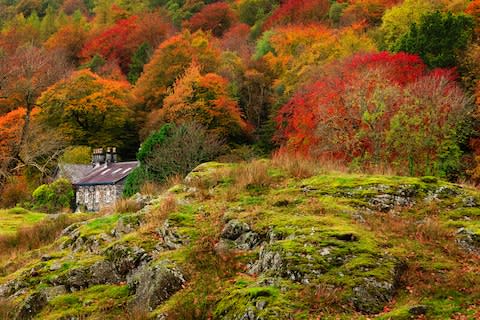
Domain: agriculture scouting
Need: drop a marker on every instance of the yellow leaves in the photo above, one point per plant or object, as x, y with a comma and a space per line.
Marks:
299, 50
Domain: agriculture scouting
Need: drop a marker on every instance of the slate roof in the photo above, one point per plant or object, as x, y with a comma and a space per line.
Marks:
73, 172
111, 173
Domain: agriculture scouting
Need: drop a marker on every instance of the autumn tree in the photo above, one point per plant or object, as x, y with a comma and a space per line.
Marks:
25, 75
69, 39
369, 12
203, 99
39, 150
169, 61
216, 17
295, 53
297, 12
379, 109
91, 111
119, 42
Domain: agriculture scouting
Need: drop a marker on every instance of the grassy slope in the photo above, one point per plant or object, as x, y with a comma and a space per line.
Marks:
12, 219
309, 217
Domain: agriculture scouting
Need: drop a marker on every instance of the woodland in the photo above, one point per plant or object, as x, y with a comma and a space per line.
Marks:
371, 85
297, 159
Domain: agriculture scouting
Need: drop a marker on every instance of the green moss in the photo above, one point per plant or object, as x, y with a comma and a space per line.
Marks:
101, 299
100, 225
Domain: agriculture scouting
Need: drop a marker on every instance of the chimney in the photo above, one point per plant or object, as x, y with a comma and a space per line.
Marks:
108, 156
98, 157
114, 154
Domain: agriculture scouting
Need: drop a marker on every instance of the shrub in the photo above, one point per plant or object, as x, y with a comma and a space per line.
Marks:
54, 196
172, 150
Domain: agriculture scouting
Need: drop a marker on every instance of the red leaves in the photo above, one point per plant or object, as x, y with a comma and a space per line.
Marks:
118, 42
370, 107
297, 12
112, 44
216, 17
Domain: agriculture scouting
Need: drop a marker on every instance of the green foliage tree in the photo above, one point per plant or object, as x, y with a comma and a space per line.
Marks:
172, 150
53, 197
397, 20
77, 155
139, 59
438, 38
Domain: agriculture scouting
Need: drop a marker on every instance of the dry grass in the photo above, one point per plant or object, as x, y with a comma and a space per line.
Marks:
7, 309
427, 242
151, 188
323, 299
127, 206
296, 166
157, 216
251, 175
32, 237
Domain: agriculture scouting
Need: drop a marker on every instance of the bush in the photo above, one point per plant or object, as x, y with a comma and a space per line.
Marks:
136, 179
53, 197
170, 151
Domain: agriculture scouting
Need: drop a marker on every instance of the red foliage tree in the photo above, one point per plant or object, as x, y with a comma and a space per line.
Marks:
236, 39
216, 17
118, 42
298, 11
377, 108
111, 44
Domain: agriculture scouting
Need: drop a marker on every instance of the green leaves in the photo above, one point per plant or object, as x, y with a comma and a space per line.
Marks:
437, 38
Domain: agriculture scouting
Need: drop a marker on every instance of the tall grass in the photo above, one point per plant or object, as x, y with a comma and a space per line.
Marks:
33, 237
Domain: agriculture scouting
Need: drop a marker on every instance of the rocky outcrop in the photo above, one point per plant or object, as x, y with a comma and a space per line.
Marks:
32, 305
155, 284
468, 240
125, 259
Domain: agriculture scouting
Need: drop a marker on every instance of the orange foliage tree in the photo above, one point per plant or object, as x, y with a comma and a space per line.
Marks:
70, 39
90, 110
203, 99
365, 11
297, 52
169, 61
25, 75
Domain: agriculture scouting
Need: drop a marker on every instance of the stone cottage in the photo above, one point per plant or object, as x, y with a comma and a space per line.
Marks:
103, 185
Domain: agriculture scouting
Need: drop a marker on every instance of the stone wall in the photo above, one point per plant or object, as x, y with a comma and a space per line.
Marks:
96, 197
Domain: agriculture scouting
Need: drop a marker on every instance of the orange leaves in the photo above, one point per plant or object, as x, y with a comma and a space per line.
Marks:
203, 99
89, 109
170, 60
299, 51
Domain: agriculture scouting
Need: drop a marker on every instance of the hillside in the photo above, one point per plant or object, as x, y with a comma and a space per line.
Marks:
264, 240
